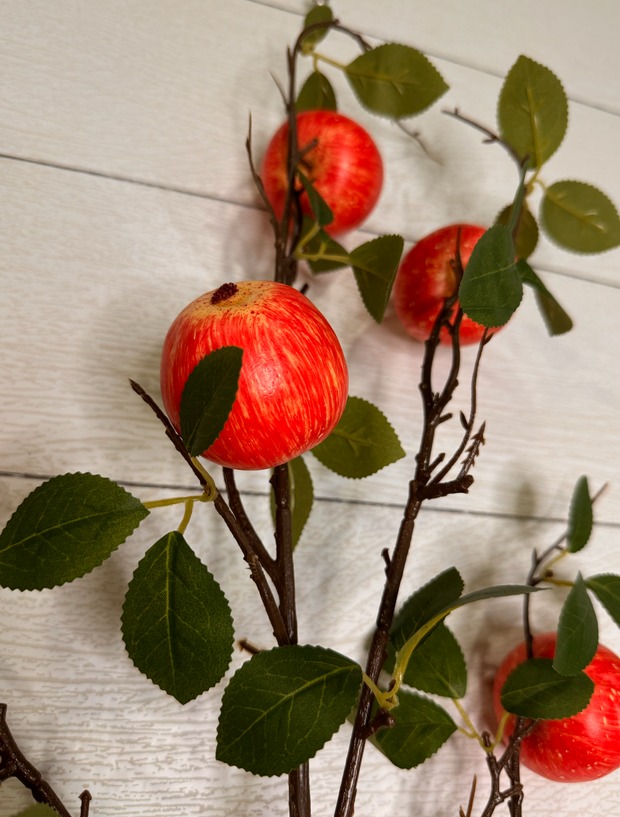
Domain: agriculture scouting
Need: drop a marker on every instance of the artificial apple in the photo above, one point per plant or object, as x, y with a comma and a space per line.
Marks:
294, 379
345, 168
584, 747
426, 278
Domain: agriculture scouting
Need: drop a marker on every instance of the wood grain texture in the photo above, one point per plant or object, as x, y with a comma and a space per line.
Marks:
125, 194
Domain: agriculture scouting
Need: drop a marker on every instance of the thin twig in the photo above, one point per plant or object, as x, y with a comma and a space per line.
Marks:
237, 507
491, 136
13, 763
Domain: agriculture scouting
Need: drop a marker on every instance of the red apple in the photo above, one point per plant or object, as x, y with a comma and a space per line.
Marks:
294, 380
584, 747
425, 279
345, 168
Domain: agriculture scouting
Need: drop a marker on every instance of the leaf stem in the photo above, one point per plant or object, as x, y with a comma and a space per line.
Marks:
175, 500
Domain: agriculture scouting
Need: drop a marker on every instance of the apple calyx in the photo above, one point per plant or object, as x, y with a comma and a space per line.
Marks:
224, 292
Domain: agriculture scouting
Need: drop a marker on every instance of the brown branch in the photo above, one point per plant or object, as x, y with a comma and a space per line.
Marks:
240, 536
491, 136
236, 506
13, 763
284, 545
171, 433
256, 570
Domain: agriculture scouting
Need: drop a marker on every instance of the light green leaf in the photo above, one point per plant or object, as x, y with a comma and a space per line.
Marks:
176, 622
606, 586
527, 234
395, 80
375, 265
579, 217
317, 14
556, 319
208, 398
301, 496
577, 631
64, 529
324, 246
362, 443
491, 288
283, 705
316, 94
532, 111
421, 728
320, 208
535, 690
580, 517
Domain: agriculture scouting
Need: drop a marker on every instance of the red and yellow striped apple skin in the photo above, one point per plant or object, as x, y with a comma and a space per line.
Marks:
345, 167
294, 380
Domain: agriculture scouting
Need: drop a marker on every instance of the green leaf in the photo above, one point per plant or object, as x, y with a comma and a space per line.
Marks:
38, 810
176, 622
320, 208
532, 111
375, 265
421, 728
362, 443
606, 586
579, 517
64, 529
423, 605
437, 666
491, 288
557, 321
301, 496
283, 705
395, 80
577, 631
317, 14
322, 245
316, 94
535, 690
208, 398
527, 234
579, 217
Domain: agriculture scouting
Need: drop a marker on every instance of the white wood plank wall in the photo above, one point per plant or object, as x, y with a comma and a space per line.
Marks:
125, 194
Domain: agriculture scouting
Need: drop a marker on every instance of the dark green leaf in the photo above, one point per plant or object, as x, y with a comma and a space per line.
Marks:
317, 14
579, 217
375, 265
532, 111
423, 605
64, 529
555, 318
320, 208
421, 728
577, 631
395, 80
491, 288
208, 398
301, 496
324, 246
607, 589
579, 517
527, 234
437, 666
176, 622
362, 443
499, 591
535, 690
38, 810
316, 94
283, 705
